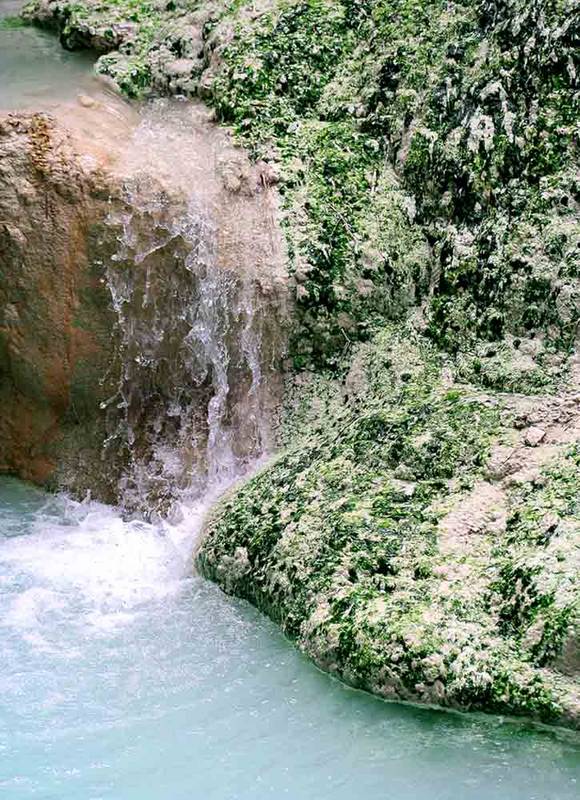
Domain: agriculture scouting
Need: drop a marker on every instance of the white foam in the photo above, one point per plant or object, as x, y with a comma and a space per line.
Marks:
28, 607
84, 562
83, 570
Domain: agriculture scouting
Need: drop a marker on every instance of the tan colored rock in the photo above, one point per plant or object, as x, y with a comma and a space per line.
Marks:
86, 101
482, 510
534, 436
56, 327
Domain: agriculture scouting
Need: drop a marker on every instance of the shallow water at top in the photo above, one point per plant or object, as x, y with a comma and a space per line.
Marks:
35, 71
125, 678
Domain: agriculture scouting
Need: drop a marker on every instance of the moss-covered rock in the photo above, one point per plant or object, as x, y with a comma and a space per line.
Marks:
536, 593
381, 545
426, 148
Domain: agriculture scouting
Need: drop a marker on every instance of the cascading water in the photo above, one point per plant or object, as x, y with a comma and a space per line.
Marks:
124, 676
196, 328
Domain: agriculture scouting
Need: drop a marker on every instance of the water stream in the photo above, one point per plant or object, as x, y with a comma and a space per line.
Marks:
122, 675
197, 286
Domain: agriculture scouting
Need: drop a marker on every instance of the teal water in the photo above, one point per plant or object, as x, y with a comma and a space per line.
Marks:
124, 678
34, 70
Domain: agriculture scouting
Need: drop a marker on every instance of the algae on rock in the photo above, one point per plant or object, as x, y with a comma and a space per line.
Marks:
470, 108
383, 545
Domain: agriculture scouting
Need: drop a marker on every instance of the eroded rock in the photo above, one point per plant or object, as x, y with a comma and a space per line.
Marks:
142, 302
57, 329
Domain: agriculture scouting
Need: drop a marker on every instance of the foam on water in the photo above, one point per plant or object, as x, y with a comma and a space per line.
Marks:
86, 554
124, 677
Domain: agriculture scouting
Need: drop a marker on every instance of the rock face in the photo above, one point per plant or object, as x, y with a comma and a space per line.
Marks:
57, 327
142, 303
427, 149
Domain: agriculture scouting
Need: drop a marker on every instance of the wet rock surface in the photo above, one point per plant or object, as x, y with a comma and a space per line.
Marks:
57, 334
143, 298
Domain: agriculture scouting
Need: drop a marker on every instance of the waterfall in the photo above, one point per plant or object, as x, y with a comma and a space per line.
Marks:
198, 310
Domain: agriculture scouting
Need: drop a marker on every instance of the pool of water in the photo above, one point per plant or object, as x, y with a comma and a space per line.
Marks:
34, 70
125, 678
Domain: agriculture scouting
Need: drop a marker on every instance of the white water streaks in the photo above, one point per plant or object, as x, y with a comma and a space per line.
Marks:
86, 556
197, 283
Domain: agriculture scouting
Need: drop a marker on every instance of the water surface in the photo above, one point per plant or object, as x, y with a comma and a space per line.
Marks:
35, 71
124, 678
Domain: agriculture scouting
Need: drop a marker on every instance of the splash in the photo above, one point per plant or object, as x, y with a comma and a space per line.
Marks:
196, 286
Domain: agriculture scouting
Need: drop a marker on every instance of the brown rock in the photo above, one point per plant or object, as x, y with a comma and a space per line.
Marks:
57, 336
533, 436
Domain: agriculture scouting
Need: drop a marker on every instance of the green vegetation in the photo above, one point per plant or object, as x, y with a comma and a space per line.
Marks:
477, 128
11, 23
537, 565
348, 541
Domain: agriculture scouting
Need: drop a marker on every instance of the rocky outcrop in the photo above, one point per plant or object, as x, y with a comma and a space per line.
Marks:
81, 32
142, 303
427, 150
143, 48
57, 328
421, 542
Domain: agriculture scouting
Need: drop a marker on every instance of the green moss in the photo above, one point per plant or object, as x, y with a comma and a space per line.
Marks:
275, 70
12, 23
513, 365
131, 74
341, 541
343, 553
476, 125
537, 586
